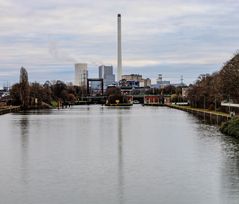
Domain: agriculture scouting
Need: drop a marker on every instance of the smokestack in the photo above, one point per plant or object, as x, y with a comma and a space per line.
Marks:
119, 65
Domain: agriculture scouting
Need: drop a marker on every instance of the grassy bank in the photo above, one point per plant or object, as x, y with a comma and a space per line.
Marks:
231, 127
199, 110
208, 116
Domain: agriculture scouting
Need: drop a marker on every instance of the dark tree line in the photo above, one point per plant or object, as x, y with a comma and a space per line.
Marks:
48, 93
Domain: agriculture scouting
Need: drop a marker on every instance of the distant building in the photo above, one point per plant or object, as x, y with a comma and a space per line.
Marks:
81, 74
179, 85
159, 79
137, 78
129, 83
145, 82
160, 82
106, 73
132, 77
153, 100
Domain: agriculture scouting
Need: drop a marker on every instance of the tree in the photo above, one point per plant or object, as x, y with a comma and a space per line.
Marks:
15, 94
24, 88
58, 89
230, 79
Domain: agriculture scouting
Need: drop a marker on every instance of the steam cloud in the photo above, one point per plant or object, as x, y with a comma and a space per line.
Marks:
63, 56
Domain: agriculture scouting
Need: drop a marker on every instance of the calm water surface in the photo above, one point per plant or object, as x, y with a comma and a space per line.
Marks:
95, 154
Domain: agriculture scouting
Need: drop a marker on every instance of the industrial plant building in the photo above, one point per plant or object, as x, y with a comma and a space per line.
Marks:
106, 73
81, 74
161, 83
137, 78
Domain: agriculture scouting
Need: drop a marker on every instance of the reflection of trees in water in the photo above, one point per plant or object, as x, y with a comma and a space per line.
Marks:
24, 123
230, 174
228, 160
24, 126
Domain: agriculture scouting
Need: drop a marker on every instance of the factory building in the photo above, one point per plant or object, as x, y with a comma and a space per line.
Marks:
137, 78
106, 73
81, 74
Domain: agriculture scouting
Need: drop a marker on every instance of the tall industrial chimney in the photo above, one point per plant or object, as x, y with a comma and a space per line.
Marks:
119, 65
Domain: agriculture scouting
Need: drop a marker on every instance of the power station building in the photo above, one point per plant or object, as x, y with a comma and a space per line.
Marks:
106, 73
161, 83
81, 74
137, 78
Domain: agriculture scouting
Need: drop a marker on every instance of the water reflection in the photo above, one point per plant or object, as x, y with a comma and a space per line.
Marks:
227, 158
148, 154
24, 129
230, 172
120, 159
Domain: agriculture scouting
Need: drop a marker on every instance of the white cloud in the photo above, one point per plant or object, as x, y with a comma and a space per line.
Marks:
155, 32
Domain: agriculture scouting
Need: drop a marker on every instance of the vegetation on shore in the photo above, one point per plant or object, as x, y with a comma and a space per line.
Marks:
36, 95
210, 89
231, 127
114, 96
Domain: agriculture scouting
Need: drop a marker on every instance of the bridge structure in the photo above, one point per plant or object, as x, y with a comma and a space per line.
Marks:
89, 80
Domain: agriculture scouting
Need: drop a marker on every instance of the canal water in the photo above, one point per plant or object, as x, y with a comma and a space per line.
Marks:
100, 155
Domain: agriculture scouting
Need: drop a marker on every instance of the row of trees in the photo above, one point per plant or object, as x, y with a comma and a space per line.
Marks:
28, 94
210, 89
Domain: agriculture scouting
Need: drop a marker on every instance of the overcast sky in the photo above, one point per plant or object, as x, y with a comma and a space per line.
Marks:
174, 37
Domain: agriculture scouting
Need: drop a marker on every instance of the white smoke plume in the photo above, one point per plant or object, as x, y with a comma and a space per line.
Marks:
59, 54
63, 56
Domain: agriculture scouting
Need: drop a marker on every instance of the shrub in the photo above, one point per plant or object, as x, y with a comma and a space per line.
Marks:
231, 127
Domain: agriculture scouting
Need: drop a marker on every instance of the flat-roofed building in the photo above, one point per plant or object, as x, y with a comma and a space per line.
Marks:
137, 77
106, 73
81, 74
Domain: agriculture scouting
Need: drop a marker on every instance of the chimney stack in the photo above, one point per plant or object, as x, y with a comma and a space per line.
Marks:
119, 64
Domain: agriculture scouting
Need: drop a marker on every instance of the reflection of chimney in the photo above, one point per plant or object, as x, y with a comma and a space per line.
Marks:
119, 67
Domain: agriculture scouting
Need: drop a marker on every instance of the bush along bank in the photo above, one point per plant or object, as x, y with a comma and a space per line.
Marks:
231, 127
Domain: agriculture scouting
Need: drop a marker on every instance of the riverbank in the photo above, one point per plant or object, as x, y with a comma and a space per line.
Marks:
9, 109
212, 117
228, 125
231, 127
